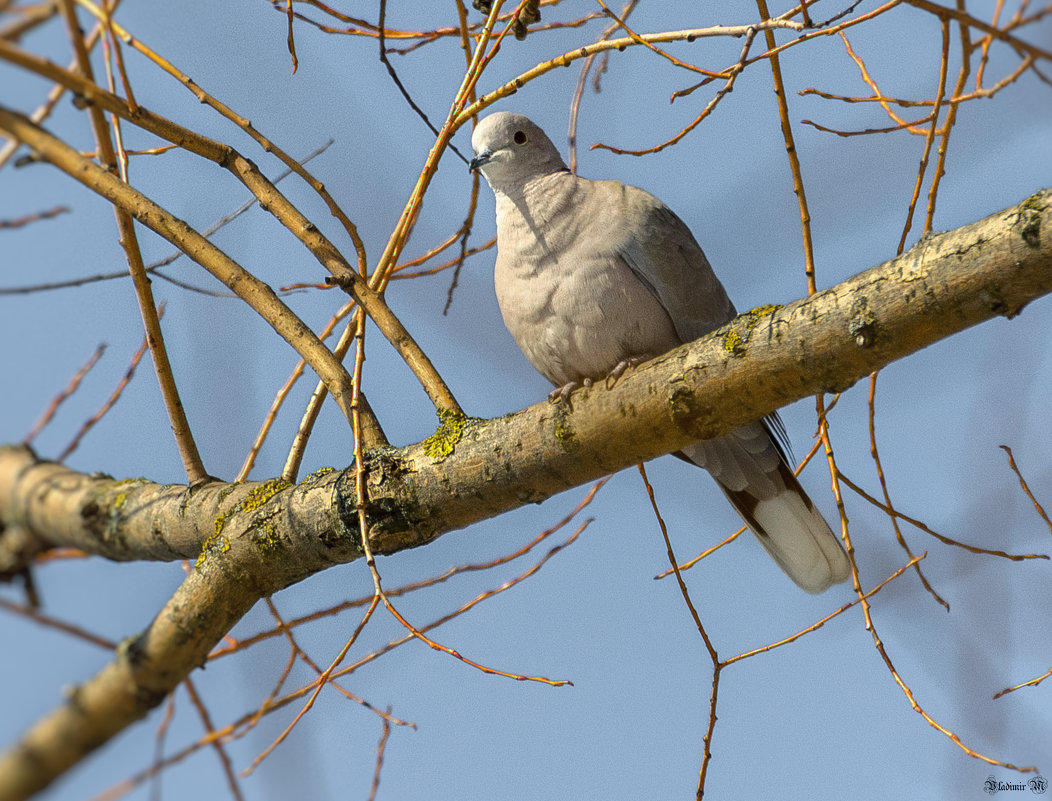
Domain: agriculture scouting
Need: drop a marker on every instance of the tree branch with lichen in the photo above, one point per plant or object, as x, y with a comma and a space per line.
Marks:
251, 540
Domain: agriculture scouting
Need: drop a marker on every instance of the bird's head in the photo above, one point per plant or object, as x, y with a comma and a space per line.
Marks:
511, 150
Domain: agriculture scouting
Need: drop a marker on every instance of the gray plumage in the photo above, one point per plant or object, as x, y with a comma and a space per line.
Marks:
593, 274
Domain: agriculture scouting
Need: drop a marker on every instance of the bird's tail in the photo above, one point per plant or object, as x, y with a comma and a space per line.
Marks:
794, 533
758, 482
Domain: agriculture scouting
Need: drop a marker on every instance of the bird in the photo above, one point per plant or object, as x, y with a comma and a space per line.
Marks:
593, 277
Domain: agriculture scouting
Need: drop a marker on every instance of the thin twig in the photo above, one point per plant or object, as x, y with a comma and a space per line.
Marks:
59, 399
728, 86
115, 395
929, 139
1030, 683
717, 665
1026, 487
154, 268
29, 219
1014, 557
380, 748
216, 743
874, 453
398, 81
763, 649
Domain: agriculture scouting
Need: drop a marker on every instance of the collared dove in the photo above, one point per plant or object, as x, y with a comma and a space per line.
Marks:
593, 276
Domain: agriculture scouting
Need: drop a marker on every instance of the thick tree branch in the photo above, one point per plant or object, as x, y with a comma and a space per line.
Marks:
251, 540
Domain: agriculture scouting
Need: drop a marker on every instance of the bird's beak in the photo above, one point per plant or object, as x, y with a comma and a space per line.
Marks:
479, 160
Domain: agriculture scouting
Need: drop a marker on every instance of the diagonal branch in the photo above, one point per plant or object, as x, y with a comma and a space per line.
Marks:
258, 295
269, 197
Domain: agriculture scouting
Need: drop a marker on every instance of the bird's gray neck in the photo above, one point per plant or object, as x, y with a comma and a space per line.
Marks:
534, 215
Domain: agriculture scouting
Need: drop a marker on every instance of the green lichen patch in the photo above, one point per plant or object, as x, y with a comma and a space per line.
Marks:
216, 543
317, 474
1035, 201
564, 432
266, 539
261, 494
450, 430
102, 512
1030, 220
733, 343
122, 497
753, 316
256, 497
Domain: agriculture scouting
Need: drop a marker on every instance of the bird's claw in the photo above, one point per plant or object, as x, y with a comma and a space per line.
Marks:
562, 394
623, 365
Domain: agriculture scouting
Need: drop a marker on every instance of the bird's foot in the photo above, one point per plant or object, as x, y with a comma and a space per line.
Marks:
562, 394
623, 365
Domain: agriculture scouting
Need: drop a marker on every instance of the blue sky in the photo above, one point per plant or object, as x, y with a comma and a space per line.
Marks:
818, 718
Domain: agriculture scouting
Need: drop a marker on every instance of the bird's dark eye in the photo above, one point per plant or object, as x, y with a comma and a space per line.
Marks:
519, 137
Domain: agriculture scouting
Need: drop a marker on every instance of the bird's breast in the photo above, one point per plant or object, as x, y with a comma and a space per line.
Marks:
576, 314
